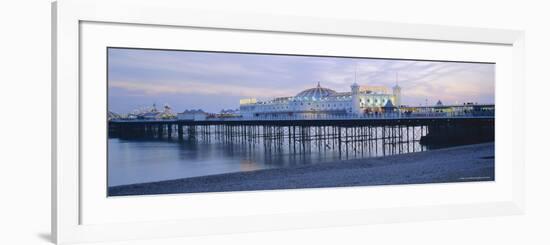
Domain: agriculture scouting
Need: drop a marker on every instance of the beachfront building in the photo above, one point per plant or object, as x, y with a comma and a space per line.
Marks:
192, 115
147, 113
228, 113
320, 101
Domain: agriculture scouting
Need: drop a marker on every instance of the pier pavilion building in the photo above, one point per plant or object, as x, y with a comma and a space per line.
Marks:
320, 101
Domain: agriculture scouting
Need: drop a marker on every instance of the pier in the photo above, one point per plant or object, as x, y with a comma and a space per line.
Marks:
345, 135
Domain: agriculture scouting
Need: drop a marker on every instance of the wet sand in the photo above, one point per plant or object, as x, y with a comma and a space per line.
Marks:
455, 164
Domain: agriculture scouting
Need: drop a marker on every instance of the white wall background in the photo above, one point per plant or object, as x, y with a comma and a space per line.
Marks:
25, 122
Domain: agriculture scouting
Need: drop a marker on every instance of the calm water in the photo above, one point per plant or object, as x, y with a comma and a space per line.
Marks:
140, 161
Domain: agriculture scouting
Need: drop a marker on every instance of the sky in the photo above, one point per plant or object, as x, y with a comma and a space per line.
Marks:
214, 81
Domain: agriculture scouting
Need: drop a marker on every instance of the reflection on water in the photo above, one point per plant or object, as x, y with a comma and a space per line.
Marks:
140, 161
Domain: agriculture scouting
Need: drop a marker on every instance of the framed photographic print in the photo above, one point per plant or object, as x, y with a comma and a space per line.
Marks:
206, 123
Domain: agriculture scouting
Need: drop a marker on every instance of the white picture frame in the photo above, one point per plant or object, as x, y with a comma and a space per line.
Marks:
67, 192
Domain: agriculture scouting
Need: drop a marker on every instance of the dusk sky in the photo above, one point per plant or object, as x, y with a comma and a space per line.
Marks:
215, 81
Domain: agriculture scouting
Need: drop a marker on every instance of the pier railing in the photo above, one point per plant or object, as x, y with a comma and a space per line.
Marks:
386, 115
420, 112
381, 116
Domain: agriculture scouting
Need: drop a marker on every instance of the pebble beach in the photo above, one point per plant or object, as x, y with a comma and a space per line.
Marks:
454, 164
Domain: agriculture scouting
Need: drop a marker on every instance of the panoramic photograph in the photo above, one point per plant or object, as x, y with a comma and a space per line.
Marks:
184, 121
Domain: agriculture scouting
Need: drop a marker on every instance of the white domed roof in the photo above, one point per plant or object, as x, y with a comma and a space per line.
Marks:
315, 93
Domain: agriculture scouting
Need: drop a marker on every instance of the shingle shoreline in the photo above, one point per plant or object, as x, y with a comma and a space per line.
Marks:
456, 164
